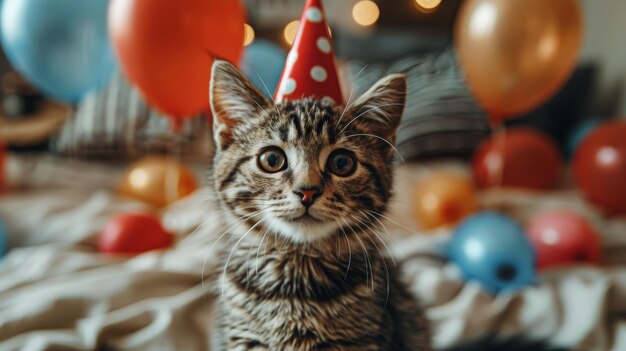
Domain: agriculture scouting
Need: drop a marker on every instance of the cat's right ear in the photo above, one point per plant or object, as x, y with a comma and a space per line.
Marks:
234, 100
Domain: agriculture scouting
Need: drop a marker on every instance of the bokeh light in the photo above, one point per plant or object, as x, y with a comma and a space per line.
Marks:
365, 12
248, 34
427, 5
291, 29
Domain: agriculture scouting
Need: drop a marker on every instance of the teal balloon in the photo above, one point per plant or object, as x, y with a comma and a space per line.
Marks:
60, 46
263, 63
4, 239
579, 133
493, 249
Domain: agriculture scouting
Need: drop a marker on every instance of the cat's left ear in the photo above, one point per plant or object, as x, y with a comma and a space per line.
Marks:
234, 100
380, 109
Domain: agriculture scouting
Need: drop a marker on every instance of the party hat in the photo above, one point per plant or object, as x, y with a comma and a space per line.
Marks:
310, 69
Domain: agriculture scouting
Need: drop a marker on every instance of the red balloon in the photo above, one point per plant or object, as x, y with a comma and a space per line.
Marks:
166, 47
562, 238
600, 167
134, 233
519, 158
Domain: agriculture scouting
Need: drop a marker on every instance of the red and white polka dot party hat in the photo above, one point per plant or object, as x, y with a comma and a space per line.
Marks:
310, 69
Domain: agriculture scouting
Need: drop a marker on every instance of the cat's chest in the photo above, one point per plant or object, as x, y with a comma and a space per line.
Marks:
299, 298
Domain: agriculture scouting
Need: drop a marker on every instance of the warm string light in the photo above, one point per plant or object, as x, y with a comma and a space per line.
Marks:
291, 29
365, 13
249, 34
427, 5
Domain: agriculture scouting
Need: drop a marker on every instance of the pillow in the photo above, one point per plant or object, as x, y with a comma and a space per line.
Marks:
441, 117
116, 122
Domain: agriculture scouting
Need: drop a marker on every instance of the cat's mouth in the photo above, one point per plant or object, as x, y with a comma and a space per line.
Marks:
306, 218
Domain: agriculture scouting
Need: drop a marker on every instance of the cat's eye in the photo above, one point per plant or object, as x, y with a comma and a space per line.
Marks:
272, 160
341, 162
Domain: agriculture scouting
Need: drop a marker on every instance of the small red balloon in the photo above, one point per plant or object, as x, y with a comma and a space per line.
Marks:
562, 238
134, 233
166, 48
600, 167
518, 158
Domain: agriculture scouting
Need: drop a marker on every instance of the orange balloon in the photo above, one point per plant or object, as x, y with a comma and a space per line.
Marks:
166, 47
158, 181
444, 199
599, 167
517, 53
518, 158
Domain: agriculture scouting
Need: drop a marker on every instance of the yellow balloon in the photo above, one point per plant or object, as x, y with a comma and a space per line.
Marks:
517, 53
444, 199
158, 181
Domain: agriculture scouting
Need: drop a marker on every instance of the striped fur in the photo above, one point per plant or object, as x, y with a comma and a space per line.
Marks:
316, 279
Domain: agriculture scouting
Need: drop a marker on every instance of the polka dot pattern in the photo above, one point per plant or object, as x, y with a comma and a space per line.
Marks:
324, 45
289, 86
318, 73
310, 67
314, 14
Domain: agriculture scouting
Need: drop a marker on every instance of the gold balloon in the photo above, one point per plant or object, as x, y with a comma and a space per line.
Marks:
444, 199
517, 53
158, 181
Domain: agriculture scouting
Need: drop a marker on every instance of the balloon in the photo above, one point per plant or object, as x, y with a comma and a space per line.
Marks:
493, 249
579, 133
519, 158
443, 199
599, 167
517, 53
4, 239
158, 181
60, 46
561, 238
134, 233
263, 64
166, 48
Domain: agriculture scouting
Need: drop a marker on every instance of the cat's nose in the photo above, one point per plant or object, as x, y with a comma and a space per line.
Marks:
308, 195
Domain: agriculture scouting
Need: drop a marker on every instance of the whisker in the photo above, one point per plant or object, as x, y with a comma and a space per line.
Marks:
348, 105
381, 138
230, 255
391, 220
366, 112
236, 224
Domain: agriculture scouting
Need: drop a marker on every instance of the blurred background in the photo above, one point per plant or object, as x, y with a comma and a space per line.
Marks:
510, 204
371, 37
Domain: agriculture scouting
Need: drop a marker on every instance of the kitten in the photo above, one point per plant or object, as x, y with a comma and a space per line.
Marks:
303, 185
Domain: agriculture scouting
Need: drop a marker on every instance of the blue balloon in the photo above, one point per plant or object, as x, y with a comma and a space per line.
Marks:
493, 249
61, 46
263, 63
579, 133
4, 238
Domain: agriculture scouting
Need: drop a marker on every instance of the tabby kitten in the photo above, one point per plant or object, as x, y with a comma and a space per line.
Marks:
303, 185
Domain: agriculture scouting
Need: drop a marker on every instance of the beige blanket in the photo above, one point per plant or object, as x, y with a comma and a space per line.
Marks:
57, 292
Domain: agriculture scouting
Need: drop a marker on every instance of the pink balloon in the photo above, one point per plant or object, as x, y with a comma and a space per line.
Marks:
562, 238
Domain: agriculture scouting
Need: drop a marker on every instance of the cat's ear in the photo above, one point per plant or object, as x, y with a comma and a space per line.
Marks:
234, 100
380, 109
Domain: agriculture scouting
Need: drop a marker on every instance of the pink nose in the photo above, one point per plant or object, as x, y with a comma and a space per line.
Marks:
308, 195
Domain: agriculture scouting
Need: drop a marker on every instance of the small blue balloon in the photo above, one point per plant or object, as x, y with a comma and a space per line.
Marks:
61, 46
263, 63
579, 133
4, 238
493, 249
